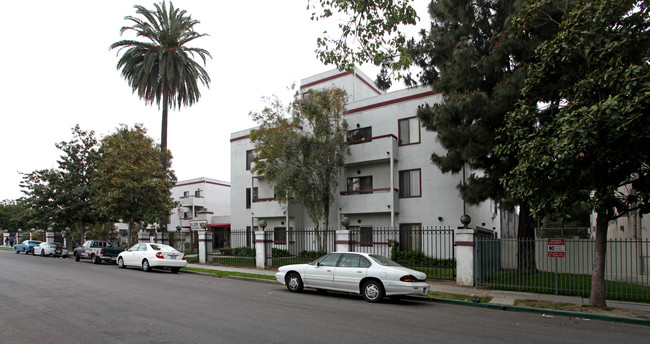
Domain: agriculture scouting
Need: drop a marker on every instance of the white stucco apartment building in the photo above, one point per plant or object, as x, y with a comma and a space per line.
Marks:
388, 179
202, 199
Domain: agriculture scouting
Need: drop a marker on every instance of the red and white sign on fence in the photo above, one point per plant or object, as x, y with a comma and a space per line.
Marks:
556, 248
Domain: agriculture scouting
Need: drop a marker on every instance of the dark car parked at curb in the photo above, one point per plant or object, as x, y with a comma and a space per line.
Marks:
26, 246
97, 251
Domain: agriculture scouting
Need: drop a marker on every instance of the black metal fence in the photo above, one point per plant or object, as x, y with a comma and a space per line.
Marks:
428, 249
533, 266
297, 246
234, 247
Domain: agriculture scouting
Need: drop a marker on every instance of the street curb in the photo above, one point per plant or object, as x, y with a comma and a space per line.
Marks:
251, 279
635, 321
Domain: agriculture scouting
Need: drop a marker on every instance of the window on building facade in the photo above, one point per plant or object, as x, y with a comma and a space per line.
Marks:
362, 235
360, 184
250, 197
187, 215
409, 183
410, 237
359, 135
249, 159
409, 131
280, 235
186, 194
197, 193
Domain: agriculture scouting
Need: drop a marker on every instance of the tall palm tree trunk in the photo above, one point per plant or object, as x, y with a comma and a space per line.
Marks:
163, 147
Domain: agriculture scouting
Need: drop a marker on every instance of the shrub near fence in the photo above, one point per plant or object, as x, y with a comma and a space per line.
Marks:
427, 249
626, 268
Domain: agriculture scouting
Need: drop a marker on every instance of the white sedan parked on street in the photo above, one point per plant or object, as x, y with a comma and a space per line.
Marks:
370, 275
54, 249
150, 256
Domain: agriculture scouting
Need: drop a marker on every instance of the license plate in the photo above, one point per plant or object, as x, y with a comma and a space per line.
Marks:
173, 256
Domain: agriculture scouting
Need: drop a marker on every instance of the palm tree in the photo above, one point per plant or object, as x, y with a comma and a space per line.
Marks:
162, 69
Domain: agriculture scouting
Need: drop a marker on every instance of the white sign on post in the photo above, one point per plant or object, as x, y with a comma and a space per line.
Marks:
196, 225
556, 248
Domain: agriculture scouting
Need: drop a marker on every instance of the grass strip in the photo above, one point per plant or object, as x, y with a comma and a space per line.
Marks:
221, 273
461, 297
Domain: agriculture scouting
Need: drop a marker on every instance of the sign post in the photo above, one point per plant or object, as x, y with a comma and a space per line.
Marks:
556, 250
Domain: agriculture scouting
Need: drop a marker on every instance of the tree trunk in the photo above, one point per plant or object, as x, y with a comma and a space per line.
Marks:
163, 156
597, 297
526, 241
128, 235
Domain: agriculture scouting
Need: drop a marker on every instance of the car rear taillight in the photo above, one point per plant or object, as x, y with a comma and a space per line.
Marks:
184, 258
160, 255
101, 252
408, 278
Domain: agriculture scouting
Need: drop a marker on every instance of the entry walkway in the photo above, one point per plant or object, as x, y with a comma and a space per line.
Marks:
501, 299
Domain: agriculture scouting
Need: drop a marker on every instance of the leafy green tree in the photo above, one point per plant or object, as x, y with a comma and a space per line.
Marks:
161, 69
129, 183
76, 170
369, 33
61, 197
472, 58
40, 189
582, 130
301, 149
11, 215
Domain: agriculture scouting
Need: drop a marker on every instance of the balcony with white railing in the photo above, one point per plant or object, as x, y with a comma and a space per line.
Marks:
372, 149
369, 201
267, 207
192, 200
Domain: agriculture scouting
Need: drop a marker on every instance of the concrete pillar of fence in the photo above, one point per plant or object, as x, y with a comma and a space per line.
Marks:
260, 250
49, 237
19, 238
205, 246
343, 241
143, 237
161, 237
5, 239
464, 243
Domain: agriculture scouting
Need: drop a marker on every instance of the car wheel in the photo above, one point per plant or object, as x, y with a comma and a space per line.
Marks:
294, 282
145, 266
76, 257
120, 263
17, 251
95, 259
373, 291
175, 270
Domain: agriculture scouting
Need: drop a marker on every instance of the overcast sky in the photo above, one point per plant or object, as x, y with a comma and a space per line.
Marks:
57, 71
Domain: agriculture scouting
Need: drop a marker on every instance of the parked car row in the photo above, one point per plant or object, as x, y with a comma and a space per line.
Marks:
371, 275
147, 256
41, 248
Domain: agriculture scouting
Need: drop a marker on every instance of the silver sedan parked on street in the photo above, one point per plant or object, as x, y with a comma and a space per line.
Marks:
370, 275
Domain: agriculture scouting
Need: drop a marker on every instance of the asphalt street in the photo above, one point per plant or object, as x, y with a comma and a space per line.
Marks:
49, 300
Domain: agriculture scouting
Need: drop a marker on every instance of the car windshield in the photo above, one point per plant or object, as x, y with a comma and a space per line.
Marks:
381, 260
161, 247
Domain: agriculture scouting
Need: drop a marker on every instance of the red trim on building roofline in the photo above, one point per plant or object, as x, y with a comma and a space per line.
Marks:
201, 182
390, 102
239, 138
320, 81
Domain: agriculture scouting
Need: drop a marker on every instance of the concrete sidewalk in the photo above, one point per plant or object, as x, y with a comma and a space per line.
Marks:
501, 299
